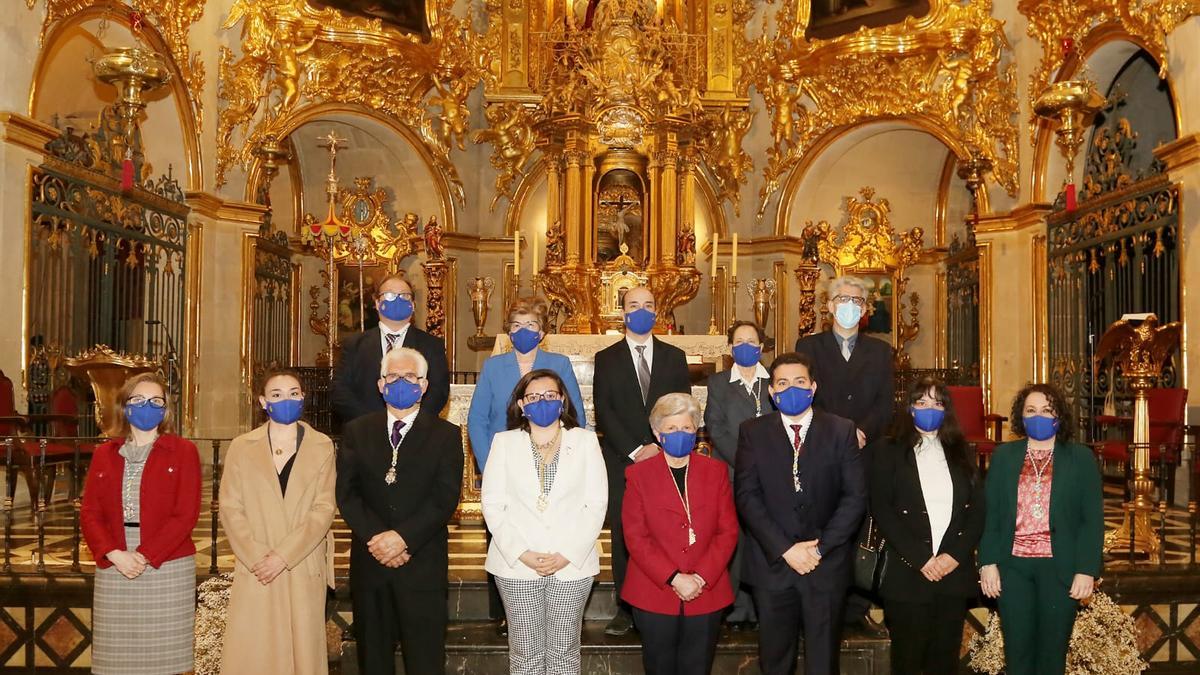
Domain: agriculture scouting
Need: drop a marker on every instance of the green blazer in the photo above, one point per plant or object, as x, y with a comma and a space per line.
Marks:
1076, 509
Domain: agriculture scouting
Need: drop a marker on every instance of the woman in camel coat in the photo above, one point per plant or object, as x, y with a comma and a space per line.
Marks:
277, 506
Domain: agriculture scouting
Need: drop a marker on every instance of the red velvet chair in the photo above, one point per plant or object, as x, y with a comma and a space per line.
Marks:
1168, 407
981, 428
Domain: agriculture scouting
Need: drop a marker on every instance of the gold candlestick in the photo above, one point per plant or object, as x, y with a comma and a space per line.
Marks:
733, 286
712, 319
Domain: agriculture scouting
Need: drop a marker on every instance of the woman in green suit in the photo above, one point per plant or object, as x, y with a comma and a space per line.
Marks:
1043, 534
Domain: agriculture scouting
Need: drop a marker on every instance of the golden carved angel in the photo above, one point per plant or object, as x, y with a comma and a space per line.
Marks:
455, 117
512, 141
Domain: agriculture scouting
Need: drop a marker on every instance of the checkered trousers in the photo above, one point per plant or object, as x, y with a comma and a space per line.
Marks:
545, 617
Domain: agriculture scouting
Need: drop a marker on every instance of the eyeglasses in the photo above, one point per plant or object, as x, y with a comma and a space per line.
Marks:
393, 378
924, 404
540, 395
389, 296
154, 402
852, 299
531, 325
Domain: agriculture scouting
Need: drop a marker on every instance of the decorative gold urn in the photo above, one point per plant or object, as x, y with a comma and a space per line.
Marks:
133, 71
480, 292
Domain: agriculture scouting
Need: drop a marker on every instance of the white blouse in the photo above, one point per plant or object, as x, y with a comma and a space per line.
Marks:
936, 486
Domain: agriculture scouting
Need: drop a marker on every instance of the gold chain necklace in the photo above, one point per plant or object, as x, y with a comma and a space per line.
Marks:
1039, 509
685, 498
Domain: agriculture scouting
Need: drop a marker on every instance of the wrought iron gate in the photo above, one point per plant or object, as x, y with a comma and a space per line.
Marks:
962, 309
1117, 254
273, 305
106, 266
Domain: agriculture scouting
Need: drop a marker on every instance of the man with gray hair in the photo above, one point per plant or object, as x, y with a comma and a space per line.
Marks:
857, 381
399, 478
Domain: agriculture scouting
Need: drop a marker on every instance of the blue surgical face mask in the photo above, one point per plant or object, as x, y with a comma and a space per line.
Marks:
396, 310
524, 340
543, 413
640, 321
928, 419
144, 417
793, 400
402, 394
848, 314
1041, 427
746, 354
678, 443
286, 411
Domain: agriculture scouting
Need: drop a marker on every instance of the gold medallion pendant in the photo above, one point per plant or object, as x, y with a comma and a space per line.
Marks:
390, 476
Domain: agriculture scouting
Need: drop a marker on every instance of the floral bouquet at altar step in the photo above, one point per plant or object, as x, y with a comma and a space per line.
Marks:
1103, 642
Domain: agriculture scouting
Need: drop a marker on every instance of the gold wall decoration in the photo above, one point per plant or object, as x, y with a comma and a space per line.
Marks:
869, 247
808, 273
173, 19
293, 55
510, 131
1062, 25
949, 71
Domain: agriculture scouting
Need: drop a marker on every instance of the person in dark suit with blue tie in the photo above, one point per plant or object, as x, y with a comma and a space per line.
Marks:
734, 396
399, 479
801, 491
354, 384
631, 376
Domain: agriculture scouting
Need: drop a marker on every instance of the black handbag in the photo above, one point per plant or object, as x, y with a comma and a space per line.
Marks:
870, 557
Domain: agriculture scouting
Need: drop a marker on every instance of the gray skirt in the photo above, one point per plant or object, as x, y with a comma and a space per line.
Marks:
144, 626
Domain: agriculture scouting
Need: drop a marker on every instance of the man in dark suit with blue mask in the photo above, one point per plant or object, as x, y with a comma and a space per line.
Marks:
801, 492
355, 391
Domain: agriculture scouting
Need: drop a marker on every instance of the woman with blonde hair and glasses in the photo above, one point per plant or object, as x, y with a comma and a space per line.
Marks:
277, 506
488, 414
140, 504
545, 494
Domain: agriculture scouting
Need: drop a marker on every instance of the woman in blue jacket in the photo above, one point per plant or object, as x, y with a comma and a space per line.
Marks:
488, 415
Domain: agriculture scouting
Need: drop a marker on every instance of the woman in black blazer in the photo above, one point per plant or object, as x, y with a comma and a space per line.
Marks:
928, 501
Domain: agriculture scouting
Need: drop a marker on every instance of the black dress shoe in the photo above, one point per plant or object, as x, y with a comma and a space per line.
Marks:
502, 628
620, 625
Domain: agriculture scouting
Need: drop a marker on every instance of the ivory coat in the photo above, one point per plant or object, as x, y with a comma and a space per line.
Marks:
280, 627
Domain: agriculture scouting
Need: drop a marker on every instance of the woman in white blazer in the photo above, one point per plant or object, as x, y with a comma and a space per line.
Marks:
545, 493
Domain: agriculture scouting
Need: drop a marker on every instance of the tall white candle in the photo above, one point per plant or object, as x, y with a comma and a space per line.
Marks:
517, 256
716, 240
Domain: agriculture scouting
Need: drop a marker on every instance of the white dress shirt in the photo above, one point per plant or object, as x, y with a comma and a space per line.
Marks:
936, 486
571, 522
804, 420
735, 375
384, 332
649, 354
407, 419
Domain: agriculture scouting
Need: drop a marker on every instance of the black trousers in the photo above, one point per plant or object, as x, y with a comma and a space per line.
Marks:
782, 614
417, 618
743, 601
677, 644
616, 497
926, 636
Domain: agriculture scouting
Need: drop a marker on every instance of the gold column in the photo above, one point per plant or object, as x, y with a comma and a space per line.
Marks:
668, 195
574, 192
553, 205
588, 204
687, 208
654, 214
721, 79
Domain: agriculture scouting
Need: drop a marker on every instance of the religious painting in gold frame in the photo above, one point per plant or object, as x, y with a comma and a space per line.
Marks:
834, 18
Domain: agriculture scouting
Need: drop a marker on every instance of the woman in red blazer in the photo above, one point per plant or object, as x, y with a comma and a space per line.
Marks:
140, 504
680, 528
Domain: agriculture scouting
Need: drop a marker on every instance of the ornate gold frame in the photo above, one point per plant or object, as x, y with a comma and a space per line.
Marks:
868, 245
949, 72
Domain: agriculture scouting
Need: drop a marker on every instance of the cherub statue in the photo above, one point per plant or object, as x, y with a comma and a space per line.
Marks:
290, 39
455, 116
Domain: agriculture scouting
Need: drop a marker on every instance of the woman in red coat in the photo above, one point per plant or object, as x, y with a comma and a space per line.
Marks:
680, 528
140, 504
